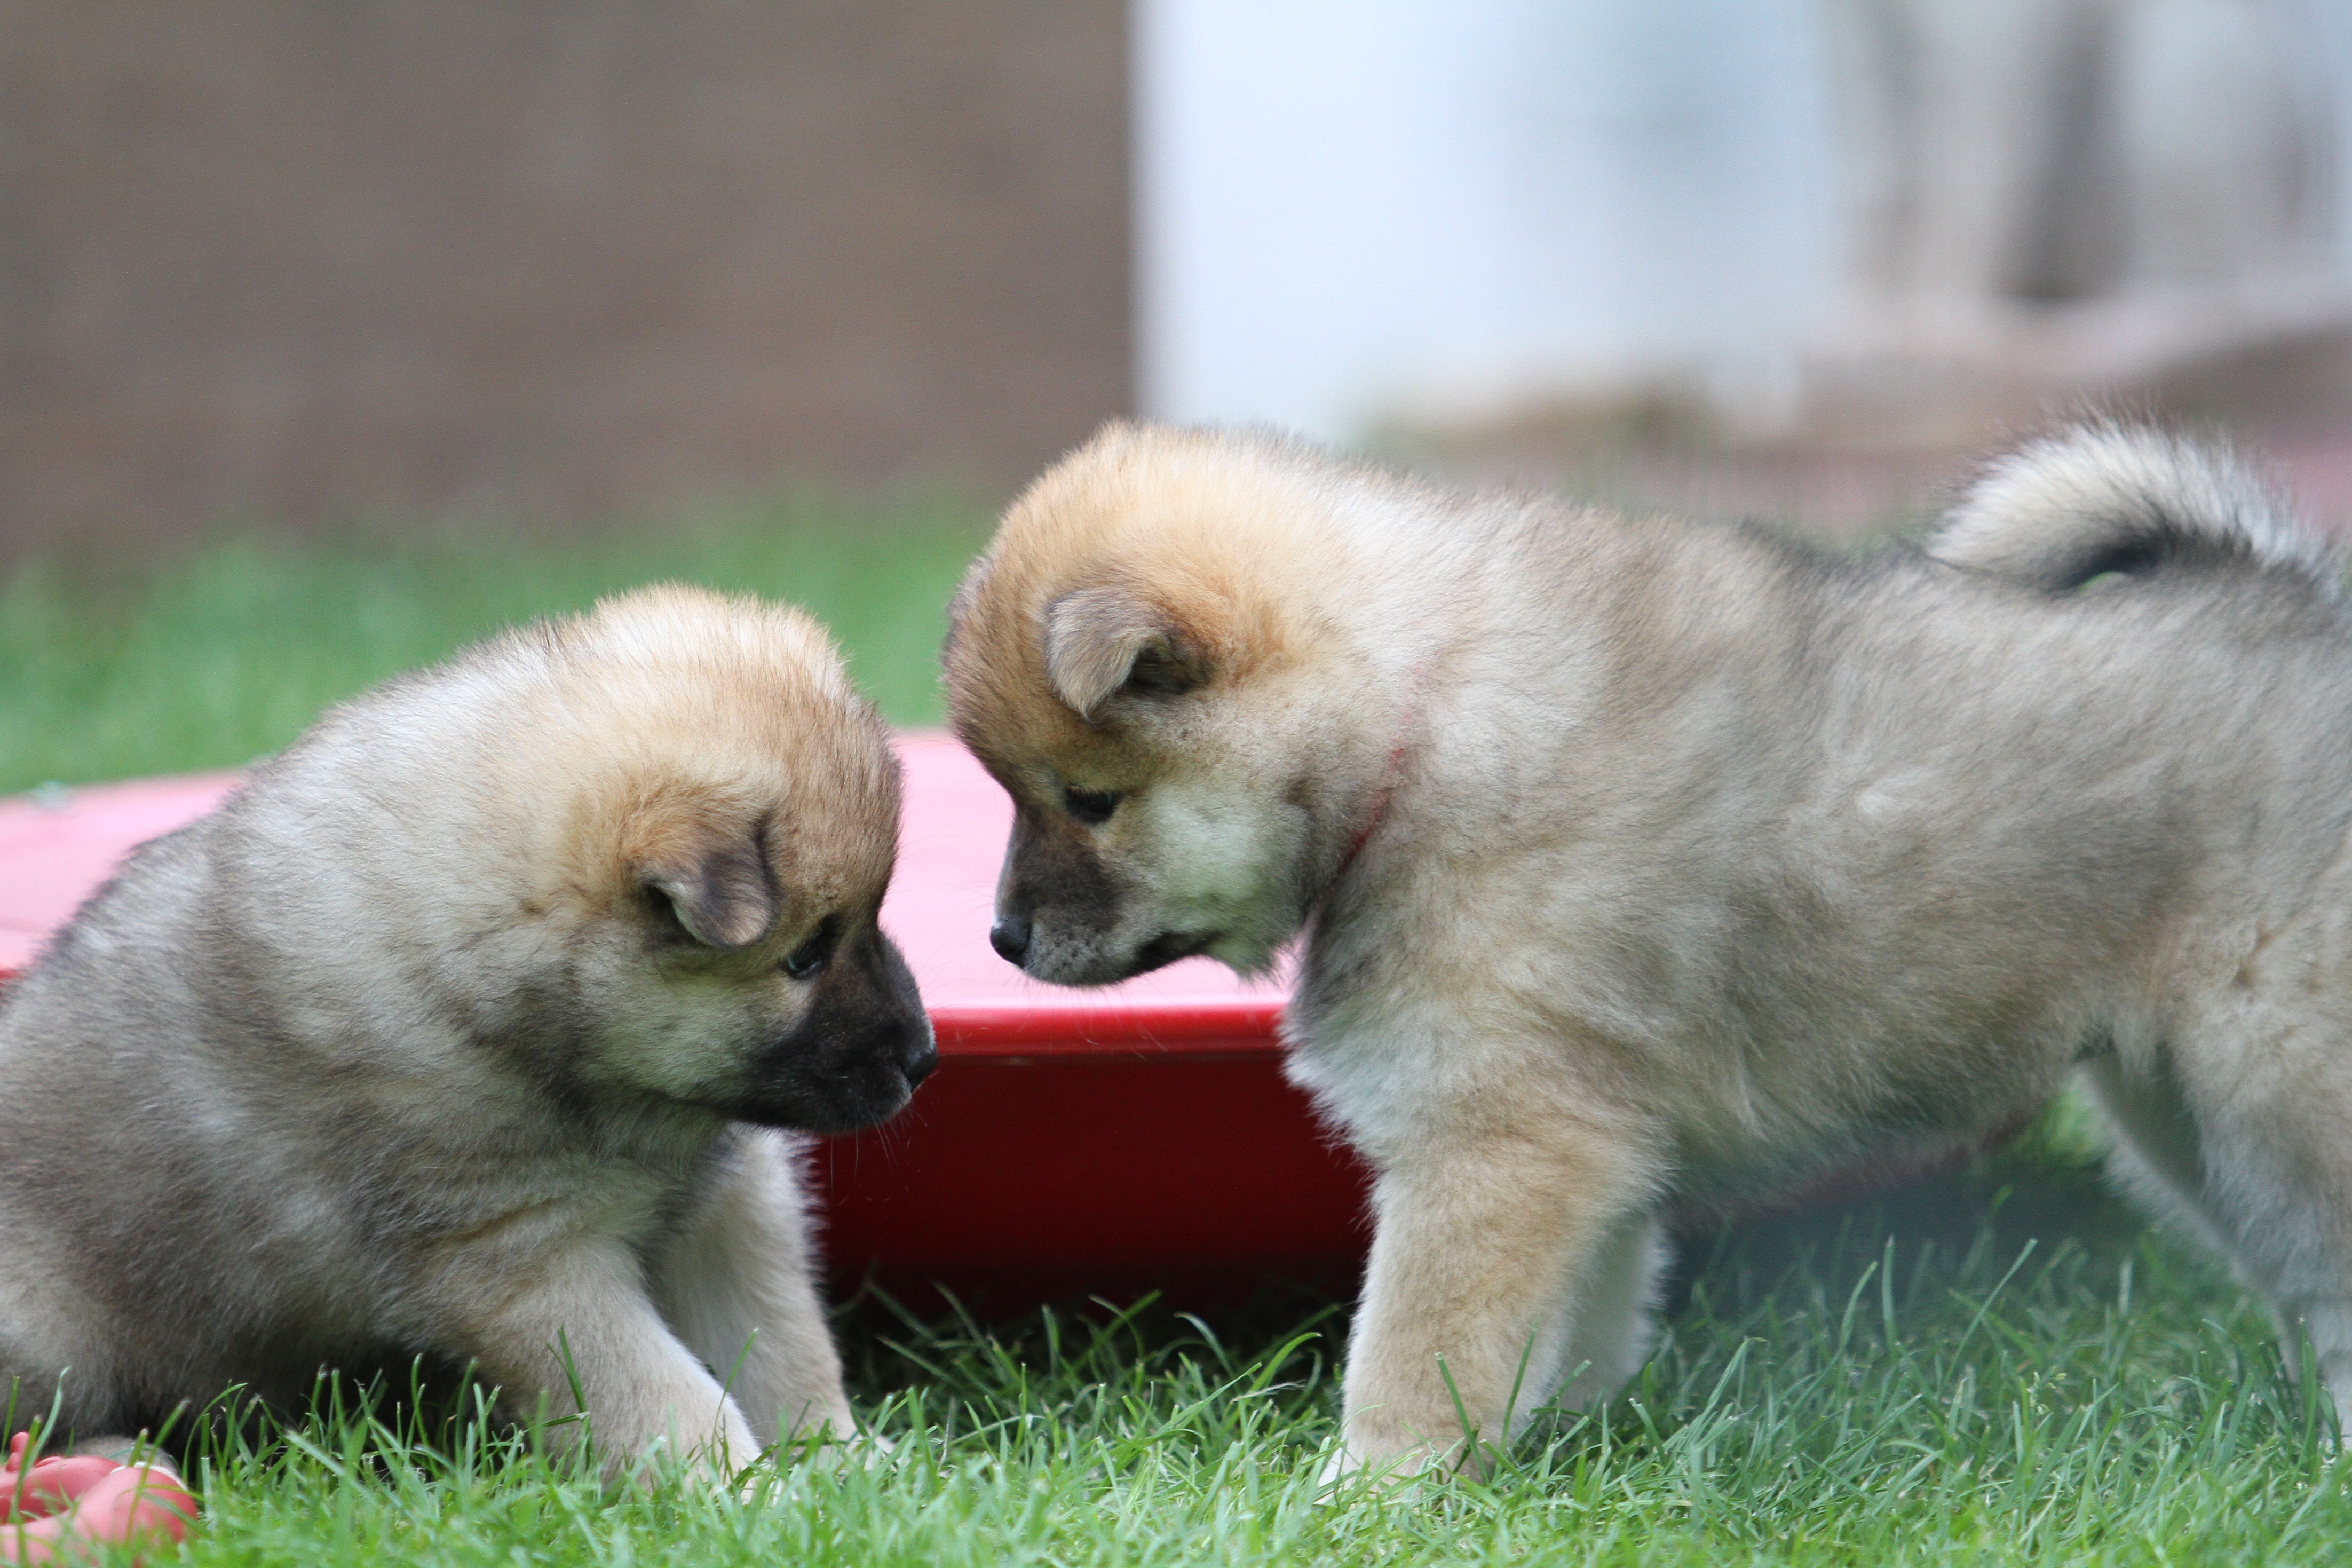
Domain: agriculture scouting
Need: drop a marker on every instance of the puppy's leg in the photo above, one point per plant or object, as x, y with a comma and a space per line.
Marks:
2245, 1138
1612, 1323
61, 1353
2157, 1157
1485, 1236
581, 1323
737, 1285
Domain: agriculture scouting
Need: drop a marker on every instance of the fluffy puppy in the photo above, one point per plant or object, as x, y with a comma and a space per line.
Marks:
1647, 866
475, 1027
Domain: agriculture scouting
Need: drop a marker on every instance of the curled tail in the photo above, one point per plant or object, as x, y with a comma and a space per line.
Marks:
2114, 498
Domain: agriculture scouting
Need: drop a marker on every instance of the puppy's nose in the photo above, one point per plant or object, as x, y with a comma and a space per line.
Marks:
1010, 938
919, 1066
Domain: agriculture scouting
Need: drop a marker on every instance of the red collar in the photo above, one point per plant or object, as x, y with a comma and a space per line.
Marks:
1401, 737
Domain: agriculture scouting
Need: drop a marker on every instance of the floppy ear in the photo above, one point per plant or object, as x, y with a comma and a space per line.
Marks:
717, 882
1100, 641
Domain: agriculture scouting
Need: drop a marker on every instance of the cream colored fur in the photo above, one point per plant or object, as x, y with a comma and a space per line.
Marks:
1644, 865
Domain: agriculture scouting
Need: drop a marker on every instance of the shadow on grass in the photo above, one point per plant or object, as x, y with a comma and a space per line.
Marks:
1918, 1319
2041, 1189
2045, 1188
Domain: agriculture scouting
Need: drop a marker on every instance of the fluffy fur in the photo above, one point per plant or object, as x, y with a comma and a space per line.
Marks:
1644, 865
2114, 498
473, 1027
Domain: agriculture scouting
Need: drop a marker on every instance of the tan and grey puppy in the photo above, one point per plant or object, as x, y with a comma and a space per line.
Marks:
476, 1026
1646, 865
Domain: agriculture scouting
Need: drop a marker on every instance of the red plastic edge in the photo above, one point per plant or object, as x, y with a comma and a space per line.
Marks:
1131, 1028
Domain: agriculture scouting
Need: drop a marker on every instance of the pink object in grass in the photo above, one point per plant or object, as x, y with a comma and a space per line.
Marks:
83, 1499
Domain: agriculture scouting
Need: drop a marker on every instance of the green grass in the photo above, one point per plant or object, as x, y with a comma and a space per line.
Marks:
1999, 1368
227, 653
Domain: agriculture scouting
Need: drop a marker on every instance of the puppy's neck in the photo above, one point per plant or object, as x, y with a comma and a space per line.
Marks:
1404, 728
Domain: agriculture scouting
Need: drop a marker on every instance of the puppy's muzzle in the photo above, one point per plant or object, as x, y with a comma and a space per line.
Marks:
1056, 902
1168, 947
921, 1060
857, 1056
1010, 936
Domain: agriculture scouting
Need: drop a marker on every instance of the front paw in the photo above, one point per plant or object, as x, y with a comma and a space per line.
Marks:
859, 1450
844, 1446
1388, 1455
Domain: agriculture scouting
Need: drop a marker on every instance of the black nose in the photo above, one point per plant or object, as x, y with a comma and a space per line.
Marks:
1010, 938
919, 1066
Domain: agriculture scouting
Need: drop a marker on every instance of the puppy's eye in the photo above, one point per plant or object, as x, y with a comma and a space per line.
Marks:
1089, 806
807, 961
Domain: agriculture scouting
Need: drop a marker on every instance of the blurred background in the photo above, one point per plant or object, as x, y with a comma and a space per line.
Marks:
333, 333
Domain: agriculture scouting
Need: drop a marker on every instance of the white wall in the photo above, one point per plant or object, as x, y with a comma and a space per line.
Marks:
1353, 207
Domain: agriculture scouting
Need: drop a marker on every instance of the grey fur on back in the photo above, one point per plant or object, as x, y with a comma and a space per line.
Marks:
2108, 497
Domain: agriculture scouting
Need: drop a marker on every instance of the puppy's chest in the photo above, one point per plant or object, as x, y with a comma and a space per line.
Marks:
1730, 1107
510, 1212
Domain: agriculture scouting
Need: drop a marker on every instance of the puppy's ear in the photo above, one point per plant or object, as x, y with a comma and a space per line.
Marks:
1102, 641
718, 883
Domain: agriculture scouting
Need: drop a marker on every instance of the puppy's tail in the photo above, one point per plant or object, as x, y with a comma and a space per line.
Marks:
2126, 498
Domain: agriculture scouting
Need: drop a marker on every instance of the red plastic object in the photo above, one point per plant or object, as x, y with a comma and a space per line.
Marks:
83, 1497
1070, 1143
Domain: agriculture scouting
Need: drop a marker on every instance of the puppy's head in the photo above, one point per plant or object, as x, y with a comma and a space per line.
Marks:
706, 813
1145, 659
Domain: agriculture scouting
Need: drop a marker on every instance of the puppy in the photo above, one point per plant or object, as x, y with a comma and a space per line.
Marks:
476, 1028
1645, 866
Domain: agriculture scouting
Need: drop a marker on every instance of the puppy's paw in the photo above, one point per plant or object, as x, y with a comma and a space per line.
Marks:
870, 1449
833, 1440
842, 1447
857, 1449
1368, 1461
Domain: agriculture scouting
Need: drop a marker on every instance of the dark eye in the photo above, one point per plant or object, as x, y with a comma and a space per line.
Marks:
1089, 806
807, 961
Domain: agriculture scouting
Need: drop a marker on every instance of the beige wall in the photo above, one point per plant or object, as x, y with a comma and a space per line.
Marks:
290, 258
